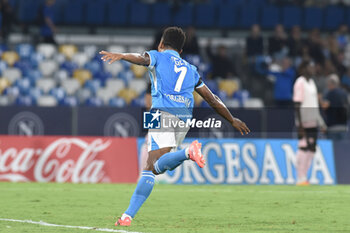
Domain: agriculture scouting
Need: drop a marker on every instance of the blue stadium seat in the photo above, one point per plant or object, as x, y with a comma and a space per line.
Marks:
161, 14
270, 17
93, 85
24, 65
117, 102
313, 18
24, 86
205, 15
183, 15
291, 16
59, 93
94, 101
248, 16
140, 14
24, 50
73, 12
28, 11
70, 101
95, 12
25, 101
228, 16
117, 12
334, 16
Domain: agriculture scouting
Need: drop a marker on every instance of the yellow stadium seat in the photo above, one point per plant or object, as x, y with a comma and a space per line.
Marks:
139, 71
4, 83
82, 75
10, 57
68, 50
228, 86
128, 95
197, 99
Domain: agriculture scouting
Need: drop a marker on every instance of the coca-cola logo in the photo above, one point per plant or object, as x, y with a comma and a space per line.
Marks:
63, 160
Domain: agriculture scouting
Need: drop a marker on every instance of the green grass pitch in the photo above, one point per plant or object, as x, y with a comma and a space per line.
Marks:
174, 208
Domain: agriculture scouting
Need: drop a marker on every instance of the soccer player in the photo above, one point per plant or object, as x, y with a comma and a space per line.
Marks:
173, 82
308, 119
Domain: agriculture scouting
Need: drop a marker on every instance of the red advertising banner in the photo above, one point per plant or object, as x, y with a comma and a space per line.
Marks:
68, 159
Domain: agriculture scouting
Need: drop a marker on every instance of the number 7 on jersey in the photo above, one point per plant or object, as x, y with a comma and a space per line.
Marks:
180, 80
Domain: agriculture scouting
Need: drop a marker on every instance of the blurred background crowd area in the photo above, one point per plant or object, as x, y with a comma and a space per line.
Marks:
247, 51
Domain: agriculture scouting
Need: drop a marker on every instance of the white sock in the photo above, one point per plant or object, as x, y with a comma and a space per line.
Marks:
124, 216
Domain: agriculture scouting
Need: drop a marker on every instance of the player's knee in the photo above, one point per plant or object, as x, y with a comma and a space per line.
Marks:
150, 167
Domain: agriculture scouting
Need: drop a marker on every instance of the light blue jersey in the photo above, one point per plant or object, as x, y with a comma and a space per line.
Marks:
173, 81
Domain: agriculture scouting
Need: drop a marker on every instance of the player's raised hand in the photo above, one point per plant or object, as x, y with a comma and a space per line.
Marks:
240, 126
111, 57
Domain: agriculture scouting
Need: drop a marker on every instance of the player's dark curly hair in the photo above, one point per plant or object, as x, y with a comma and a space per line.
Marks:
174, 37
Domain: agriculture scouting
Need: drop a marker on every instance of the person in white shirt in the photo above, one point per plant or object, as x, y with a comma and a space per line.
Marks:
308, 119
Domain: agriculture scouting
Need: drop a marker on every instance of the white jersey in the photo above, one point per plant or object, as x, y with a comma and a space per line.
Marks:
305, 92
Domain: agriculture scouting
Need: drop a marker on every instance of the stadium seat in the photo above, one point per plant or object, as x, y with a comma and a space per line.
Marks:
270, 16
48, 68
128, 95
4, 101
232, 103
93, 85
73, 12
105, 94
12, 74
205, 15
90, 51
253, 103
4, 83
3, 66
80, 59
114, 69
61, 75
58, 92
139, 85
82, 75
69, 67
161, 14
24, 50
24, 65
228, 16
229, 86
10, 57
94, 67
138, 71
248, 16
70, 86
70, 101
45, 84
23, 85
47, 101
313, 18
291, 16
35, 93
117, 102
95, 12
183, 15
94, 102
47, 50
140, 14
118, 12
68, 50
115, 85
25, 101
34, 75
83, 94
334, 17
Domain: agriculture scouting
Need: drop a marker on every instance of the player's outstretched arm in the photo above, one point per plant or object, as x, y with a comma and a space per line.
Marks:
216, 103
135, 58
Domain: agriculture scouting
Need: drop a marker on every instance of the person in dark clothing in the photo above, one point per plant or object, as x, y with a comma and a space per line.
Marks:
48, 28
191, 44
7, 20
221, 63
336, 107
254, 42
295, 43
277, 42
314, 45
284, 81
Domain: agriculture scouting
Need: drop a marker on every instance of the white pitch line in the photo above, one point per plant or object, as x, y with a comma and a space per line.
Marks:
66, 226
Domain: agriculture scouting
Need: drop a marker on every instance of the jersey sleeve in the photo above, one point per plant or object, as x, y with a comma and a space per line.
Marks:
198, 80
298, 92
153, 55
